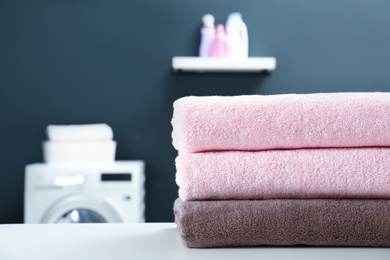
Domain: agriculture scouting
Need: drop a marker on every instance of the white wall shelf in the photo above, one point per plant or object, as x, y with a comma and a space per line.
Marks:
249, 65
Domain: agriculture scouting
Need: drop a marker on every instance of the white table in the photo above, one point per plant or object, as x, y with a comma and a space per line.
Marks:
144, 241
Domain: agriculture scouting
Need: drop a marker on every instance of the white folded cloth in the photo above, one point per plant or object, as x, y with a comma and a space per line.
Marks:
85, 132
84, 143
79, 152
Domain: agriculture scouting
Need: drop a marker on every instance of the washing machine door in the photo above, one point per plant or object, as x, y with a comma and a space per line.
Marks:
82, 208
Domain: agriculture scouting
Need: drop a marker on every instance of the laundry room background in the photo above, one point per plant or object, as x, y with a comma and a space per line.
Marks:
83, 62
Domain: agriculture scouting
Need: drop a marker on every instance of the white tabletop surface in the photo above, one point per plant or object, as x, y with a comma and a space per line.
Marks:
144, 241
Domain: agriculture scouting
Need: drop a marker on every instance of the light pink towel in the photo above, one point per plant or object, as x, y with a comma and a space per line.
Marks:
278, 174
281, 121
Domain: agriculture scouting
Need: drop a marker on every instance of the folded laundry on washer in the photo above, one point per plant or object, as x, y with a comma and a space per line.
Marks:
87, 143
82, 132
283, 222
300, 173
79, 152
260, 122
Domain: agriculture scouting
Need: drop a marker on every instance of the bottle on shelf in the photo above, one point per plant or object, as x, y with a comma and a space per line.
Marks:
207, 35
237, 34
220, 46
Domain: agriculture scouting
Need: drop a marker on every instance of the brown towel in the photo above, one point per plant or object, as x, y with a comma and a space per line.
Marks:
319, 222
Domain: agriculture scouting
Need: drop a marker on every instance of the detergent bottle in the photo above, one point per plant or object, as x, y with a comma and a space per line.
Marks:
207, 34
220, 47
237, 34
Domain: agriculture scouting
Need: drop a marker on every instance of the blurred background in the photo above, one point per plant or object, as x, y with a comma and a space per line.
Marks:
100, 61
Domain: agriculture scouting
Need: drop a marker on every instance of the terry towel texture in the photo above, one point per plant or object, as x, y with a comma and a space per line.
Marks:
283, 223
259, 122
302, 173
282, 170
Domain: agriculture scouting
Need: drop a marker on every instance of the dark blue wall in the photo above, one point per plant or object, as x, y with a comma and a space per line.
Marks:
91, 61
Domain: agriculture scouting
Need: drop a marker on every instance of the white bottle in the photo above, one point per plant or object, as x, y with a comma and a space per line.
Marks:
207, 35
237, 34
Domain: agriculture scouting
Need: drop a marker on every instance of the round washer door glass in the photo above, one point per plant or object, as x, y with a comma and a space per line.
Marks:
81, 216
82, 208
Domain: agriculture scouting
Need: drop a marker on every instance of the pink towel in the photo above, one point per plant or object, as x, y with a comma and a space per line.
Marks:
279, 174
281, 121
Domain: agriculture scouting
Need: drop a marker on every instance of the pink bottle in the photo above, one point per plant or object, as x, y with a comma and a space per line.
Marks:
220, 47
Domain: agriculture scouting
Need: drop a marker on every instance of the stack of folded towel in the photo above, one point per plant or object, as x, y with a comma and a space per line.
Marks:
292, 169
86, 143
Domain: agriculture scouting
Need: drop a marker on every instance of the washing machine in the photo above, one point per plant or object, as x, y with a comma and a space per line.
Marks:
95, 193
